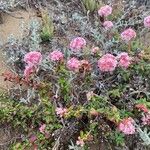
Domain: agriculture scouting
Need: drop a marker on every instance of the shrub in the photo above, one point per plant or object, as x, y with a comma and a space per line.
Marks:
81, 93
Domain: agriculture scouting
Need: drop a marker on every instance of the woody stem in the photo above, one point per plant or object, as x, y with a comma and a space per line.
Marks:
129, 47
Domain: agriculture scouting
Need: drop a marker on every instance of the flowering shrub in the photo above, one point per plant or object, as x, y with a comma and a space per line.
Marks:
92, 91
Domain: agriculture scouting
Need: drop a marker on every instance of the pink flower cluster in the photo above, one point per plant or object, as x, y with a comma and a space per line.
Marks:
56, 55
108, 25
127, 126
29, 69
73, 64
128, 35
146, 119
107, 63
80, 142
105, 11
32, 59
77, 44
124, 60
61, 111
147, 22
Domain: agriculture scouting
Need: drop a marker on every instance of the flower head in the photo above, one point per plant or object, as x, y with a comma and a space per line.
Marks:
56, 55
73, 64
105, 11
124, 60
127, 126
108, 25
128, 35
107, 63
147, 22
77, 44
33, 58
61, 111
29, 69
95, 50
42, 128
80, 142
146, 119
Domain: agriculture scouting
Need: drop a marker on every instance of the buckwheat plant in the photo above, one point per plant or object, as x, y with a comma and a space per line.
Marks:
84, 86
34, 28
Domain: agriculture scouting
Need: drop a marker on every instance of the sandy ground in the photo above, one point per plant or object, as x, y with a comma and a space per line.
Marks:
11, 25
